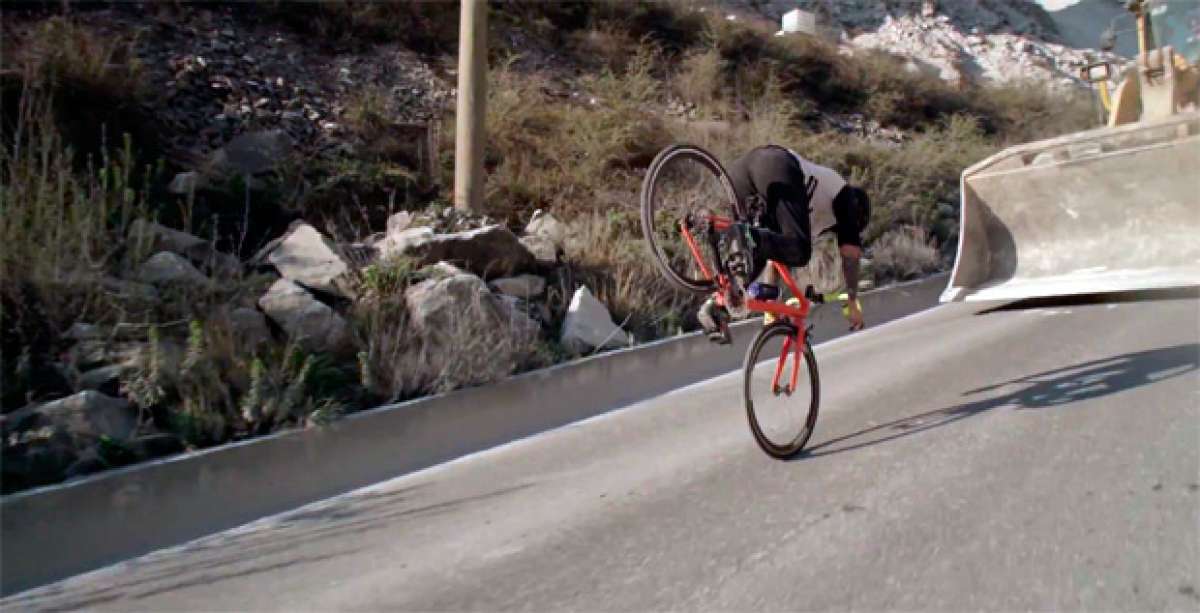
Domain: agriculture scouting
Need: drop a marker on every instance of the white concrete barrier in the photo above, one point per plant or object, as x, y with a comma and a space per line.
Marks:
57, 531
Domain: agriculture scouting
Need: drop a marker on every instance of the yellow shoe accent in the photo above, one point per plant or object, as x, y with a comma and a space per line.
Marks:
769, 318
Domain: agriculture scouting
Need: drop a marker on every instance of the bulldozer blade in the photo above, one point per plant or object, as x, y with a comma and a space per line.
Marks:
1107, 210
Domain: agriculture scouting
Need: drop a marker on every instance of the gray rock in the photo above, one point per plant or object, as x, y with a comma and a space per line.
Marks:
250, 328
251, 153
103, 379
470, 336
155, 237
37, 460
544, 251
184, 183
170, 269
398, 243
89, 463
442, 303
132, 290
157, 445
80, 331
86, 416
588, 325
307, 321
308, 258
547, 226
520, 286
491, 251
92, 354
399, 222
443, 269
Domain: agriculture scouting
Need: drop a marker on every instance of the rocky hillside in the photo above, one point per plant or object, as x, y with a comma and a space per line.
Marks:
1021, 17
966, 41
939, 45
224, 219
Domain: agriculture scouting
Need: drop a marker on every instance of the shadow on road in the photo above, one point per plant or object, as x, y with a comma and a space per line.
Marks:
1145, 295
261, 547
1049, 389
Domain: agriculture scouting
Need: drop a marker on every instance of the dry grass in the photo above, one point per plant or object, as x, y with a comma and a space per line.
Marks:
61, 53
904, 253
92, 82
610, 258
560, 153
62, 229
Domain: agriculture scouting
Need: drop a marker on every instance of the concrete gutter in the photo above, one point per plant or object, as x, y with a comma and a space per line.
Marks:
57, 531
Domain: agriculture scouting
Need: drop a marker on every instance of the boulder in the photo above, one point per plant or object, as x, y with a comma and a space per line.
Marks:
156, 237
83, 331
250, 328
403, 241
85, 416
307, 321
134, 354
129, 293
184, 183
36, 458
520, 286
167, 269
304, 256
491, 251
588, 325
89, 462
544, 251
469, 335
547, 226
156, 445
251, 153
105, 379
399, 222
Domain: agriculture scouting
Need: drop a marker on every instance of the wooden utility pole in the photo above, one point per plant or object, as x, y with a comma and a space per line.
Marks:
472, 106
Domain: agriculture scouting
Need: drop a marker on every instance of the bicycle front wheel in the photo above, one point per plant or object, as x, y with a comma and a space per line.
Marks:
684, 187
782, 390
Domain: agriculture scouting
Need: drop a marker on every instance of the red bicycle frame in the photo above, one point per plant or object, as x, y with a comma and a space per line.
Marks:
796, 314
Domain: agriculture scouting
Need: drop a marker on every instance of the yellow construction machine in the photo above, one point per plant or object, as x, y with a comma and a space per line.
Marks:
1106, 210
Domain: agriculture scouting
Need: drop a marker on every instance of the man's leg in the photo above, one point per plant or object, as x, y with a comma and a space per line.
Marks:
784, 235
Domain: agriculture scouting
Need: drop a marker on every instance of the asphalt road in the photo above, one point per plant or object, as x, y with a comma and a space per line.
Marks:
1044, 458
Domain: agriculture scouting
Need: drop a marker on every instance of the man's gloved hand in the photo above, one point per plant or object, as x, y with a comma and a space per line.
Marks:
852, 311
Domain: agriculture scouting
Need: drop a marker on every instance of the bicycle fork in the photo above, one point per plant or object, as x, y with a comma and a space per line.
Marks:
792, 342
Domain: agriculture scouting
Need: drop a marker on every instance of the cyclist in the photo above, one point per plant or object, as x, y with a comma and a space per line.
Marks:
802, 200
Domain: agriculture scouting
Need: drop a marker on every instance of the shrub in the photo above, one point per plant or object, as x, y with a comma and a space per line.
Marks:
91, 82
904, 253
701, 78
63, 230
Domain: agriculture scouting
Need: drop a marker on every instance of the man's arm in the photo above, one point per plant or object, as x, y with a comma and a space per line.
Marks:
851, 254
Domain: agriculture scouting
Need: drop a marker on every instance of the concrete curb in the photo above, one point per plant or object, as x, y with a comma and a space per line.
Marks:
57, 531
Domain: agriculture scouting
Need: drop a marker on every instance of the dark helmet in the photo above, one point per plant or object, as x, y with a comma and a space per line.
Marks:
861, 204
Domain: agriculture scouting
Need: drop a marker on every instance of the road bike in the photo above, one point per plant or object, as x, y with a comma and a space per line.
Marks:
687, 202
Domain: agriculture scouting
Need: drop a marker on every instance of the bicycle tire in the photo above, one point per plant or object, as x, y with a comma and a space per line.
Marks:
650, 187
796, 445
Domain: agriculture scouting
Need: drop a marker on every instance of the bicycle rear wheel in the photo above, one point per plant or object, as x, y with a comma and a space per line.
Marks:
782, 414
683, 187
